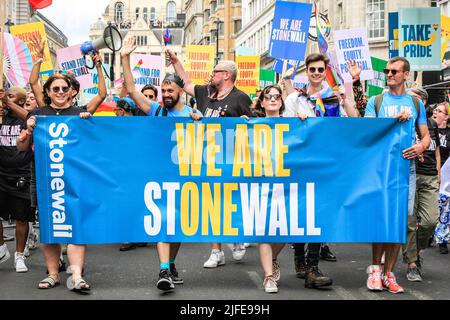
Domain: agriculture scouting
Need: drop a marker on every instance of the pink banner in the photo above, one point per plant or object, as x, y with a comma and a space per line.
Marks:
147, 69
71, 60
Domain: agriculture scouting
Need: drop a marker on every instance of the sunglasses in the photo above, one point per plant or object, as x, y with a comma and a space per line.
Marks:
58, 89
313, 70
149, 96
275, 96
393, 71
439, 111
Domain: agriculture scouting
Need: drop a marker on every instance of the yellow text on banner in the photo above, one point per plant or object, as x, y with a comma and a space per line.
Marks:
248, 73
199, 63
445, 34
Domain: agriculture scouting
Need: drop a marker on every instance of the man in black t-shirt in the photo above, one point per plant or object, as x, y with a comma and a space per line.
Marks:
14, 176
219, 98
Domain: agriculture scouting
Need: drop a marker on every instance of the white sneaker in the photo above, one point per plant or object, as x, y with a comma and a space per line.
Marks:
26, 251
19, 262
238, 251
217, 258
270, 285
4, 253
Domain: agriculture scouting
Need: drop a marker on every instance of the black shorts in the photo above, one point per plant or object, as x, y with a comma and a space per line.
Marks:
15, 208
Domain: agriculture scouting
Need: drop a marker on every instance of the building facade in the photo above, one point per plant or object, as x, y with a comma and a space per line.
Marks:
147, 20
214, 22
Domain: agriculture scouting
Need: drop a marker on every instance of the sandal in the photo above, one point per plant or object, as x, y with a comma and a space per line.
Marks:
50, 282
79, 285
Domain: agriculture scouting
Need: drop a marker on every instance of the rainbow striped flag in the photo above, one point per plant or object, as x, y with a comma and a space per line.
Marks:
138, 65
320, 107
321, 41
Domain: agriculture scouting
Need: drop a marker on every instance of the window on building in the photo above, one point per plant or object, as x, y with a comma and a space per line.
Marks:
171, 11
145, 14
106, 58
207, 14
237, 25
137, 13
152, 14
213, 6
340, 12
220, 2
375, 18
220, 56
118, 12
221, 28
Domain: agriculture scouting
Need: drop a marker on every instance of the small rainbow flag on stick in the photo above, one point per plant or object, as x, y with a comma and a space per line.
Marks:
137, 68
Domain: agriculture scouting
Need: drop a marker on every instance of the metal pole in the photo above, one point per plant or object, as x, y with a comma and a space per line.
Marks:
217, 40
436, 84
2, 24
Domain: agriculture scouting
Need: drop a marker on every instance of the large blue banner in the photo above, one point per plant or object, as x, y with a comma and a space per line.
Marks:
290, 30
143, 179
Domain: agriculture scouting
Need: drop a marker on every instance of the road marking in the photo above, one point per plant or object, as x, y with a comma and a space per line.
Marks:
370, 295
256, 279
345, 294
419, 295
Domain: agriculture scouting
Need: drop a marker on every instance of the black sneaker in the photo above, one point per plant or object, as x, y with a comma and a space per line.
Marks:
300, 267
127, 246
315, 278
413, 274
443, 248
165, 282
174, 275
326, 254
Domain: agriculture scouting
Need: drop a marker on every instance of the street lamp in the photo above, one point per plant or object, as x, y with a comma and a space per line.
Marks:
217, 22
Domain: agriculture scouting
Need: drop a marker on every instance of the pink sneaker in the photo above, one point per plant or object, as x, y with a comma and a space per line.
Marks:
390, 283
374, 282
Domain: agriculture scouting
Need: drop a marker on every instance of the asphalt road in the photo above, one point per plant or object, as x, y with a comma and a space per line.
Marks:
132, 275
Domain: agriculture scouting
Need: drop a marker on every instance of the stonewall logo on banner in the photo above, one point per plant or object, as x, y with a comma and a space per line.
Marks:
71, 60
378, 83
290, 30
352, 44
420, 37
26, 32
146, 69
199, 63
393, 34
248, 73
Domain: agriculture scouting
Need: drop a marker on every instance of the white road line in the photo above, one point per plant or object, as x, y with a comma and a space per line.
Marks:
345, 294
419, 295
256, 279
369, 295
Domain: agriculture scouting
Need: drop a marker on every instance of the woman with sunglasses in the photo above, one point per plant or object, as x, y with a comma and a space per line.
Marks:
57, 99
270, 104
442, 232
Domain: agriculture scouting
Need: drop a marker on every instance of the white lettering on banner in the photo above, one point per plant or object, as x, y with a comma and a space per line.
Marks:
152, 223
60, 229
253, 203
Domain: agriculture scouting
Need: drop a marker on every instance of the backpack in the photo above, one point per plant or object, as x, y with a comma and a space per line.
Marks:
379, 100
164, 114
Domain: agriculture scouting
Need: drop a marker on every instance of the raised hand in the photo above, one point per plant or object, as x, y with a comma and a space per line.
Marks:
129, 46
38, 44
96, 58
171, 56
354, 69
31, 123
289, 73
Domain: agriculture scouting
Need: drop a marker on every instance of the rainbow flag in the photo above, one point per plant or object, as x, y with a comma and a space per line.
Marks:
138, 65
320, 107
323, 45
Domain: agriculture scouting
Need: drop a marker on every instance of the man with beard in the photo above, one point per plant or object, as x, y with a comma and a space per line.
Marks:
219, 98
171, 89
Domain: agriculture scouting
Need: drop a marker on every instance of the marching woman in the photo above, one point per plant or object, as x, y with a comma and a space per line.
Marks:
270, 104
57, 96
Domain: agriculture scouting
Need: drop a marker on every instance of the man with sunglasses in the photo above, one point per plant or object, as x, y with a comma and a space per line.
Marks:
219, 98
172, 90
396, 103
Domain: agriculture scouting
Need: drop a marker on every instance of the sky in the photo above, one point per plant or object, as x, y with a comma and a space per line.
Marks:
74, 18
